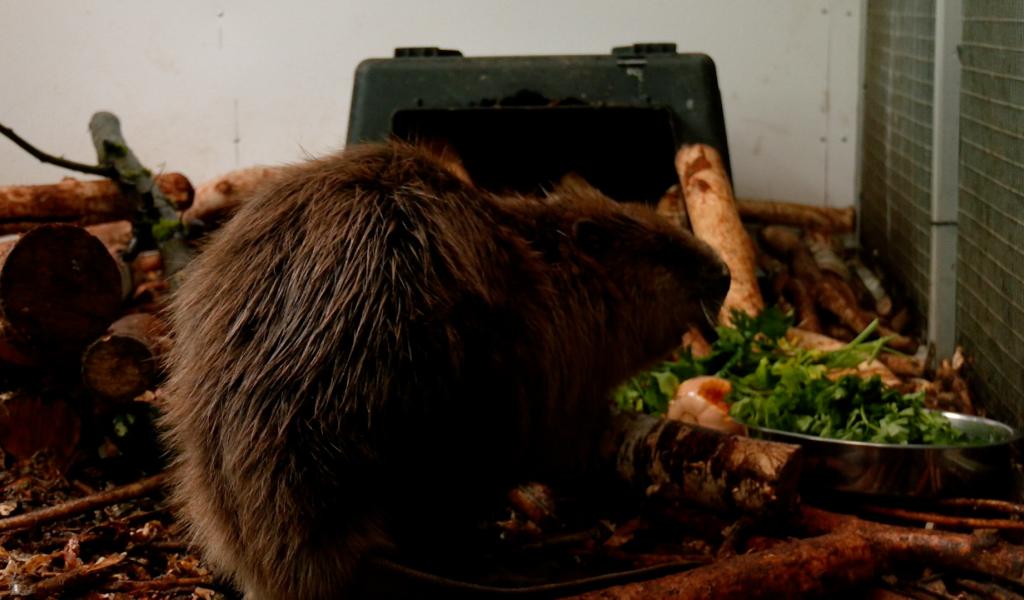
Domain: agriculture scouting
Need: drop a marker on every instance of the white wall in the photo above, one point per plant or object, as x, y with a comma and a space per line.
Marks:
203, 86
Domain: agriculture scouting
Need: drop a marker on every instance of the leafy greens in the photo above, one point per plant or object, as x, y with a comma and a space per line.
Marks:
779, 386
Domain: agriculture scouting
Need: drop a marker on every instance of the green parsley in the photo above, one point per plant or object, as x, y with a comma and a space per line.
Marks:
779, 386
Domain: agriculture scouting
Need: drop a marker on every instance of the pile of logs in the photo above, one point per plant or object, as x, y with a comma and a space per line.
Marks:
85, 267
70, 301
71, 306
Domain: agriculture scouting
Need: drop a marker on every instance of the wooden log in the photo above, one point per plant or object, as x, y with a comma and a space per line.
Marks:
783, 241
219, 198
13, 349
29, 423
147, 271
115, 235
76, 201
714, 219
836, 331
125, 361
696, 343
144, 274
147, 265
836, 295
59, 289
150, 290
177, 188
771, 265
816, 341
803, 302
676, 461
846, 552
823, 249
981, 552
536, 501
902, 365
871, 282
15, 227
672, 206
822, 287
901, 320
796, 569
830, 291
837, 298
779, 281
804, 216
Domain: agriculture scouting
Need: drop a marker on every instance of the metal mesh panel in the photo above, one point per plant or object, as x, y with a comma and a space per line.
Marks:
896, 168
990, 269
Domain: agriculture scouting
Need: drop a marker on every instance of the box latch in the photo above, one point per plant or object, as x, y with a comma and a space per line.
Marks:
644, 49
425, 51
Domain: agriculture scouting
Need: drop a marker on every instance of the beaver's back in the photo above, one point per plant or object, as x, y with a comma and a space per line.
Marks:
371, 328
334, 326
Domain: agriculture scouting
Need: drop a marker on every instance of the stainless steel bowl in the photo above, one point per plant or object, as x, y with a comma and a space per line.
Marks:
906, 469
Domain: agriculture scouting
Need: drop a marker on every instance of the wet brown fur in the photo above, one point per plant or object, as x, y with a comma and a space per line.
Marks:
372, 327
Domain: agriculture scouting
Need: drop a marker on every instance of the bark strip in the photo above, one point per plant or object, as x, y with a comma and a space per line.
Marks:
677, 461
819, 218
714, 219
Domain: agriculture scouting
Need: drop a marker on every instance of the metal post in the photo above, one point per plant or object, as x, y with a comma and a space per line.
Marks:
945, 178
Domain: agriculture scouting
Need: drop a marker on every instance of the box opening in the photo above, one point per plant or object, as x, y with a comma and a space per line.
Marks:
626, 152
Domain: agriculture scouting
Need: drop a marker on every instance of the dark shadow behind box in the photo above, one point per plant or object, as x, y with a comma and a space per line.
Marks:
520, 123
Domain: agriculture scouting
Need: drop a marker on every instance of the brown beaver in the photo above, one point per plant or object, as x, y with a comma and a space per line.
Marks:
372, 328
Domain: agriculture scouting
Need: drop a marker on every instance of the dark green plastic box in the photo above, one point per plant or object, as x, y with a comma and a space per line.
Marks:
520, 123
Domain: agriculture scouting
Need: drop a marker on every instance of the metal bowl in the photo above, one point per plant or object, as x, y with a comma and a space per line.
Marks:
920, 470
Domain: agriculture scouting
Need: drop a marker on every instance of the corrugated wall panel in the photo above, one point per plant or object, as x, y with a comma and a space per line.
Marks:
990, 265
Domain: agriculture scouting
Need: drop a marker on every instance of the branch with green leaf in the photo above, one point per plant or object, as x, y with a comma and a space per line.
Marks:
155, 220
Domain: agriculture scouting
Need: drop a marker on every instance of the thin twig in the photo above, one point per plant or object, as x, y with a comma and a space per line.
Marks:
60, 583
947, 520
170, 547
152, 585
83, 487
56, 160
78, 506
985, 504
988, 589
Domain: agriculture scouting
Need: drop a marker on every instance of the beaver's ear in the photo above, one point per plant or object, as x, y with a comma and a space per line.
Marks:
592, 237
573, 185
572, 182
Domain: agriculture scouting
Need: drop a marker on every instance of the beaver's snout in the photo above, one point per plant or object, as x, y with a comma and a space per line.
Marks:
715, 280
706, 273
